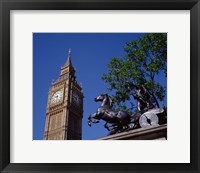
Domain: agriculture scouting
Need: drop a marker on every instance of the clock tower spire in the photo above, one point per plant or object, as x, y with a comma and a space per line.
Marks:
68, 62
64, 106
68, 67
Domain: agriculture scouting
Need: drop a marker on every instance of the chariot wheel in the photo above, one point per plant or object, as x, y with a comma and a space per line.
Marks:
148, 119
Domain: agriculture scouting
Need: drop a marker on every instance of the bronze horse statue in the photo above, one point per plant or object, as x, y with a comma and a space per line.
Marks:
119, 120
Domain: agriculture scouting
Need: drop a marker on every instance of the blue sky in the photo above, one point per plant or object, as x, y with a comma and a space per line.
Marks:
90, 54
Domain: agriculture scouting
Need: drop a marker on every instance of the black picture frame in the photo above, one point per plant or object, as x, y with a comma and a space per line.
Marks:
7, 5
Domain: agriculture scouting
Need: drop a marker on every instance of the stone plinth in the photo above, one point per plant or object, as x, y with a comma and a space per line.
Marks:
151, 133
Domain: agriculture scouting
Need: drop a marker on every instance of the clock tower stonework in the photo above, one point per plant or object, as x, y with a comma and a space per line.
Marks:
64, 109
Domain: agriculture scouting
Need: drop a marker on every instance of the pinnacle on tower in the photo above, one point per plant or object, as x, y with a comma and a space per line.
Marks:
68, 67
68, 62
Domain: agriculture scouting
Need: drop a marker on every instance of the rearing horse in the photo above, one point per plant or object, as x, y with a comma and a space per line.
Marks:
106, 113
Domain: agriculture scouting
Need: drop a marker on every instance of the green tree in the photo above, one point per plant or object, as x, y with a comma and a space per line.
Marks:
145, 59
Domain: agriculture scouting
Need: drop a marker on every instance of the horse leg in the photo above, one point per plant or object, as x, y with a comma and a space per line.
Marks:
90, 120
118, 123
106, 126
113, 119
114, 129
123, 119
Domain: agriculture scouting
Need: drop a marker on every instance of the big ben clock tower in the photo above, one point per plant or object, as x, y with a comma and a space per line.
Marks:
65, 106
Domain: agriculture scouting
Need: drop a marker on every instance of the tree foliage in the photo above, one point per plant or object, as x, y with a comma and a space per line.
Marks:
145, 59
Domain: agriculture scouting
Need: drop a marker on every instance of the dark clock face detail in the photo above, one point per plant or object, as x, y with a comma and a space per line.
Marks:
76, 98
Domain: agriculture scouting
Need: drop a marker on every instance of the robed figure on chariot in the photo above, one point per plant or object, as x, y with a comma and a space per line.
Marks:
119, 121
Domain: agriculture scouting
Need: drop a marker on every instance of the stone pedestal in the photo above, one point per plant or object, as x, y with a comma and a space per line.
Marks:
151, 133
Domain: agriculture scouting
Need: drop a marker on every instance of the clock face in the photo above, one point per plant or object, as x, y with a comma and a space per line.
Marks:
57, 96
76, 98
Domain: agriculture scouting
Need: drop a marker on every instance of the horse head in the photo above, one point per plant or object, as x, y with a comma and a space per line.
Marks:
100, 98
105, 99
